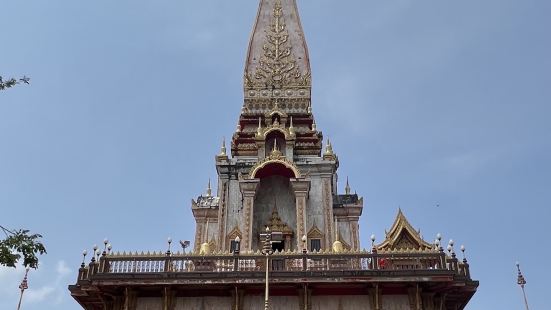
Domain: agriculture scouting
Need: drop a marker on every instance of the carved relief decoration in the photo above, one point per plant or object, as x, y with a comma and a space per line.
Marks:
278, 67
327, 212
236, 232
248, 210
276, 224
315, 233
300, 216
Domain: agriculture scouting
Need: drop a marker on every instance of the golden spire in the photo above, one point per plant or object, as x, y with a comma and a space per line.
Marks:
259, 129
347, 187
314, 127
273, 62
223, 148
291, 128
329, 148
275, 151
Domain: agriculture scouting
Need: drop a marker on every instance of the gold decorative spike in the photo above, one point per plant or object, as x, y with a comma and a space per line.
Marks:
259, 129
223, 148
347, 187
275, 151
329, 154
291, 128
329, 148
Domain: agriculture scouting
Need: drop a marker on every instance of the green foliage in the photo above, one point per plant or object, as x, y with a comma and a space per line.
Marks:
20, 244
12, 82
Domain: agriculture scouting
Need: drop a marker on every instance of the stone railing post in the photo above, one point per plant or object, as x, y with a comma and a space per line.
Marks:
374, 259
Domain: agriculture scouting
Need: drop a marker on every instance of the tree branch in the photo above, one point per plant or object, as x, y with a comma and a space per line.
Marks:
12, 82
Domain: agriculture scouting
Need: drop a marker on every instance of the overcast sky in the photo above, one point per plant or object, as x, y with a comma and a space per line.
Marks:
440, 108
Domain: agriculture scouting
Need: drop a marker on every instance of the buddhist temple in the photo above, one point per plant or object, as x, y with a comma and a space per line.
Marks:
276, 233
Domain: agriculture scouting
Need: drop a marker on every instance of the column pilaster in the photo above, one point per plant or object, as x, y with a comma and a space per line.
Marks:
327, 202
248, 189
301, 189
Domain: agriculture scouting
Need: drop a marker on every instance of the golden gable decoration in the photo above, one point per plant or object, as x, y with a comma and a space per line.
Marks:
402, 236
277, 225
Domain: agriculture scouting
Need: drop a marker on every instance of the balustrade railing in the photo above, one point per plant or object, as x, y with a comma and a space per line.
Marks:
279, 261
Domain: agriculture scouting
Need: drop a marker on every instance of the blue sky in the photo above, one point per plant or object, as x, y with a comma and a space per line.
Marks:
426, 103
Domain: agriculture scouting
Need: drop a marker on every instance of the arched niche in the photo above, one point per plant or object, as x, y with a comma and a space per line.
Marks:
274, 193
275, 137
275, 167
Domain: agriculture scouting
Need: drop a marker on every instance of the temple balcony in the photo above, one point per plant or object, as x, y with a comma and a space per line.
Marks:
395, 272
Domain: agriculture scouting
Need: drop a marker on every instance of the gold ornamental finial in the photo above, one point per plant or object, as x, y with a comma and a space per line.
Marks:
223, 147
314, 127
275, 151
347, 187
329, 148
291, 128
259, 129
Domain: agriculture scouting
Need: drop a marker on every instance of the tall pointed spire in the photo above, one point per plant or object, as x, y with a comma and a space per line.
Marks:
223, 147
277, 80
277, 58
347, 187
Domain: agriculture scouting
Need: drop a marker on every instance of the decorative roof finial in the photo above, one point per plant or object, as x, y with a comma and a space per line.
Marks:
329, 148
347, 187
314, 127
275, 151
291, 128
209, 190
223, 148
259, 129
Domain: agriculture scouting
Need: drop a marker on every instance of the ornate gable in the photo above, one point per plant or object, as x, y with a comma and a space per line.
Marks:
276, 224
402, 236
315, 233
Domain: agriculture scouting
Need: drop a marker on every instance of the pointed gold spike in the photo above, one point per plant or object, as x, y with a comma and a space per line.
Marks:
223, 148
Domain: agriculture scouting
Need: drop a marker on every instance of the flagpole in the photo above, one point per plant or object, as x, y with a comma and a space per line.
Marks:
23, 286
522, 282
